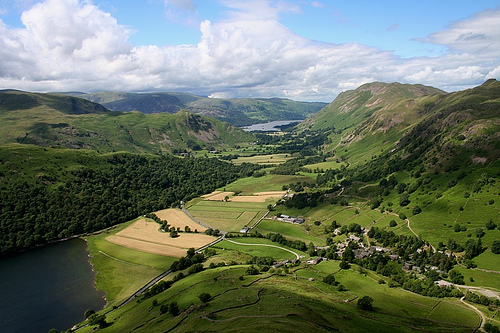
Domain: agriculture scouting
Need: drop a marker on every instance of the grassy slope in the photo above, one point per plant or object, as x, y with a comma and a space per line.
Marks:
291, 303
122, 271
47, 120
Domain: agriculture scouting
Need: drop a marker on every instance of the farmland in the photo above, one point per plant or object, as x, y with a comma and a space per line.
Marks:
144, 235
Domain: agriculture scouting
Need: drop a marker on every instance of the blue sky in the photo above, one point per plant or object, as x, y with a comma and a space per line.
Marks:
298, 49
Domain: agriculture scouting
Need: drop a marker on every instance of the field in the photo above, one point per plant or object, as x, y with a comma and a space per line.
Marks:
122, 271
260, 247
263, 159
255, 197
144, 235
295, 302
227, 216
178, 219
270, 182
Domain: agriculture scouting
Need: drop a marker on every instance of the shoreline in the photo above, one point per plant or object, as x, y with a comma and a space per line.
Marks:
89, 256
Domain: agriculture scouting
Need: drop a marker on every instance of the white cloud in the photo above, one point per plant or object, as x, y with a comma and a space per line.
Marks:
480, 34
73, 45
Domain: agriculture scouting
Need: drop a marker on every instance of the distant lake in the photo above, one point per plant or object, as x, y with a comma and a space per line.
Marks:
270, 126
47, 287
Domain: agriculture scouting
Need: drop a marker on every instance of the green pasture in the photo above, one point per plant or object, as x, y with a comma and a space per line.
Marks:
269, 182
331, 163
488, 260
481, 278
122, 271
261, 250
263, 159
306, 232
271, 302
227, 216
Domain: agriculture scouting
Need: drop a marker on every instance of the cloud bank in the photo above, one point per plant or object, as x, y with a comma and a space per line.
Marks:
69, 45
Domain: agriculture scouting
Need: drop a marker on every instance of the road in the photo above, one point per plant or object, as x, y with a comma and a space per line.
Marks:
481, 315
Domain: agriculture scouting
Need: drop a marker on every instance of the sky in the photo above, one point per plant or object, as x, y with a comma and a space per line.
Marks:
297, 49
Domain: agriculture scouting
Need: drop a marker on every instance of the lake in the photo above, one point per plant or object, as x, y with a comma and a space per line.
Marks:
270, 126
47, 287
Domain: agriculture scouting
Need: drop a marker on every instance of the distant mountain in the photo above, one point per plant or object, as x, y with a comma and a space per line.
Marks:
239, 112
72, 122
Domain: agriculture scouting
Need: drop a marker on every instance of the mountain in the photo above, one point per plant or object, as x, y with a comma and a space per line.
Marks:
71, 122
383, 102
239, 112
380, 118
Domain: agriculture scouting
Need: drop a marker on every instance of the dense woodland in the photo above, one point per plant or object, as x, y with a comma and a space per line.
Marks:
90, 199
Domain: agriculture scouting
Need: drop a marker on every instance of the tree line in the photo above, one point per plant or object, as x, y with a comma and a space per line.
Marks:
92, 198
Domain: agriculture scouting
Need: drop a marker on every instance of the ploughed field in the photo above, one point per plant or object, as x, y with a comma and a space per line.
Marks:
145, 235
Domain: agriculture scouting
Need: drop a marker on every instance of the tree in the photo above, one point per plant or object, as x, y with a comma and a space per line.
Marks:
495, 246
252, 270
205, 297
393, 223
173, 308
365, 303
404, 200
490, 225
329, 279
97, 319
88, 313
344, 265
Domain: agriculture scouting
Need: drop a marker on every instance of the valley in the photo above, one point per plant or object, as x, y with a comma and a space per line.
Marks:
390, 193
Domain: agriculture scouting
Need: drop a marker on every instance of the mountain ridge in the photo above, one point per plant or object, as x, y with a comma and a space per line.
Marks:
71, 122
237, 111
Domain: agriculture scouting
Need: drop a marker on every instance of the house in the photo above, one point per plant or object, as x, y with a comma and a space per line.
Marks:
315, 261
244, 230
291, 219
280, 263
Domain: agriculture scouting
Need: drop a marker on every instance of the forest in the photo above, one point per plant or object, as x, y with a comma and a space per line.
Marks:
89, 199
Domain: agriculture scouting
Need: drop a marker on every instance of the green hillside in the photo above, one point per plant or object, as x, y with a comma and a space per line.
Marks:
57, 120
239, 112
397, 186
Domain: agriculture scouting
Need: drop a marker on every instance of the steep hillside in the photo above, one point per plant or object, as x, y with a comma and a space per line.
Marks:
380, 118
238, 112
392, 101
48, 120
458, 128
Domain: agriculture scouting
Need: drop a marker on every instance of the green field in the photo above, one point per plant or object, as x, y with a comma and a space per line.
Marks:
297, 302
291, 231
122, 271
263, 159
227, 216
270, 182
266, 248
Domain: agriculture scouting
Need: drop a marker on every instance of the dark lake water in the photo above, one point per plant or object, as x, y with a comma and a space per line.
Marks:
48, 287
270, 126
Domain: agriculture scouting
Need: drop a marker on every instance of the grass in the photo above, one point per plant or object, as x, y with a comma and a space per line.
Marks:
227, 216
263, 159
293, 231
259, 251
122, 271
481, 278
292, 303
269, 182
488, 260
